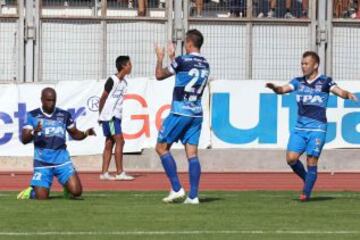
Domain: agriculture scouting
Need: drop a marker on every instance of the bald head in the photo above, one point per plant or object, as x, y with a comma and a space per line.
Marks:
48, 100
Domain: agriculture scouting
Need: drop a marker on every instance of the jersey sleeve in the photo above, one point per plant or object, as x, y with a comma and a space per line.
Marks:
29, 121
70, 123
108, 85
331, 84
175, 65
294, 84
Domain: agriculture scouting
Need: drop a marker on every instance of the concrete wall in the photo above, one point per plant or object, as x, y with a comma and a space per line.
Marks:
213, 160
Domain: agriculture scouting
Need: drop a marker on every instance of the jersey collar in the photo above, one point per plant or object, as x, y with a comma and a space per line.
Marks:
312, 81
46, 114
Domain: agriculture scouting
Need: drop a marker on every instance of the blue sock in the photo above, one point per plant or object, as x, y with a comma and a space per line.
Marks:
169, 165
194, 175
299, 169
310, 180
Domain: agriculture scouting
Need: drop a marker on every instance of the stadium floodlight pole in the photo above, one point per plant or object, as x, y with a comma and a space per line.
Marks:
29, 40
179, 29
322, 34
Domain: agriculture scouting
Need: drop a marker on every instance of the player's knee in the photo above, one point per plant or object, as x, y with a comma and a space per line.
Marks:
77, 193
41, 196
161, 150
291, 161
109, 144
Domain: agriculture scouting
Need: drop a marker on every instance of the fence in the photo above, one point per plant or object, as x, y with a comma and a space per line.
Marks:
254, 39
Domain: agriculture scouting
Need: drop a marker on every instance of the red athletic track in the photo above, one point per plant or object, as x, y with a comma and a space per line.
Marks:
209, 181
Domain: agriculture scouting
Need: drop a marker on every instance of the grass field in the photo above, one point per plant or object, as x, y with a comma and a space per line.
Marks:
221, 215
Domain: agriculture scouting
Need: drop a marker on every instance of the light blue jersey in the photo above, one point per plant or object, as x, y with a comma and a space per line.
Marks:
50, 143
312, 101
310, 131
192, 72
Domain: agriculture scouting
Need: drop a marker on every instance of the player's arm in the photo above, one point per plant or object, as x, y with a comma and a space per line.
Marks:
160, 72
80, 135
107, 89
28, 133
102, 100
343, 93
280, 89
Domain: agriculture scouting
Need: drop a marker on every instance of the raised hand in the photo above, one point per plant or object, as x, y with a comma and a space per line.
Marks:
171, 50
160, 52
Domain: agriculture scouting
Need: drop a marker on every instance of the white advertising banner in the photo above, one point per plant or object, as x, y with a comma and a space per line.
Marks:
242, 114
146, 104
245, 114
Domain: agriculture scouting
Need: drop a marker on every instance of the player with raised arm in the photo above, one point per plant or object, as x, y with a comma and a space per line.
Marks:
312, 94
186, 115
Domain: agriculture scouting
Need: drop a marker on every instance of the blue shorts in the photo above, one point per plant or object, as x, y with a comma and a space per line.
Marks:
112, 127
177, 127
310, 142
43, 175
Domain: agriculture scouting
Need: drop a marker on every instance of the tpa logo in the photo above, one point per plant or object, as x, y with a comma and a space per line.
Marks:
54, 131
309, 99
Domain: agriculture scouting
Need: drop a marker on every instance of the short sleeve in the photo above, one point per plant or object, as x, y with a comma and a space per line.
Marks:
175, 65
294, 84
331, 83
29, 121
70, 123
108, 85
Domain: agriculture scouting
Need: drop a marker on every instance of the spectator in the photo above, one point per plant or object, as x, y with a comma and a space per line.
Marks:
196, 8
356, 10
341, 8
142, 8
288, 14
161, 4
237, 8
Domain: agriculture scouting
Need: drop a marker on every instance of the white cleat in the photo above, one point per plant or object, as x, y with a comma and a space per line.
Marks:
174, 195
124, 177
193, 201
106, 176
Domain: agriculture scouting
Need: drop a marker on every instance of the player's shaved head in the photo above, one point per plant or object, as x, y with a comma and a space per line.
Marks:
48, 91
48, 99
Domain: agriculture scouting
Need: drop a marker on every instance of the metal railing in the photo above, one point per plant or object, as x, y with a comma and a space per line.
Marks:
244, 39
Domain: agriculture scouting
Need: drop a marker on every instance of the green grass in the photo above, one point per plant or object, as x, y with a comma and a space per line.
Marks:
221, 215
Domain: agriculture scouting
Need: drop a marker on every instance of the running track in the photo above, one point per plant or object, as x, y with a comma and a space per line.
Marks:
209, 181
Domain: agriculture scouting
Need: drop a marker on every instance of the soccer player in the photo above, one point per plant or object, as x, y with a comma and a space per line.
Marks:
186, 115
110, 109
312, 93
47, 127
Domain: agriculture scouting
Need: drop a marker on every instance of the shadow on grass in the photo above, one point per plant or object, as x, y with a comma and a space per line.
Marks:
317, 199
209, 199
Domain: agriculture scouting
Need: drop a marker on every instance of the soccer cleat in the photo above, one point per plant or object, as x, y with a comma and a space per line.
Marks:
193, 201
106, 176
25, 194
304, 198
174, 195
124, 177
